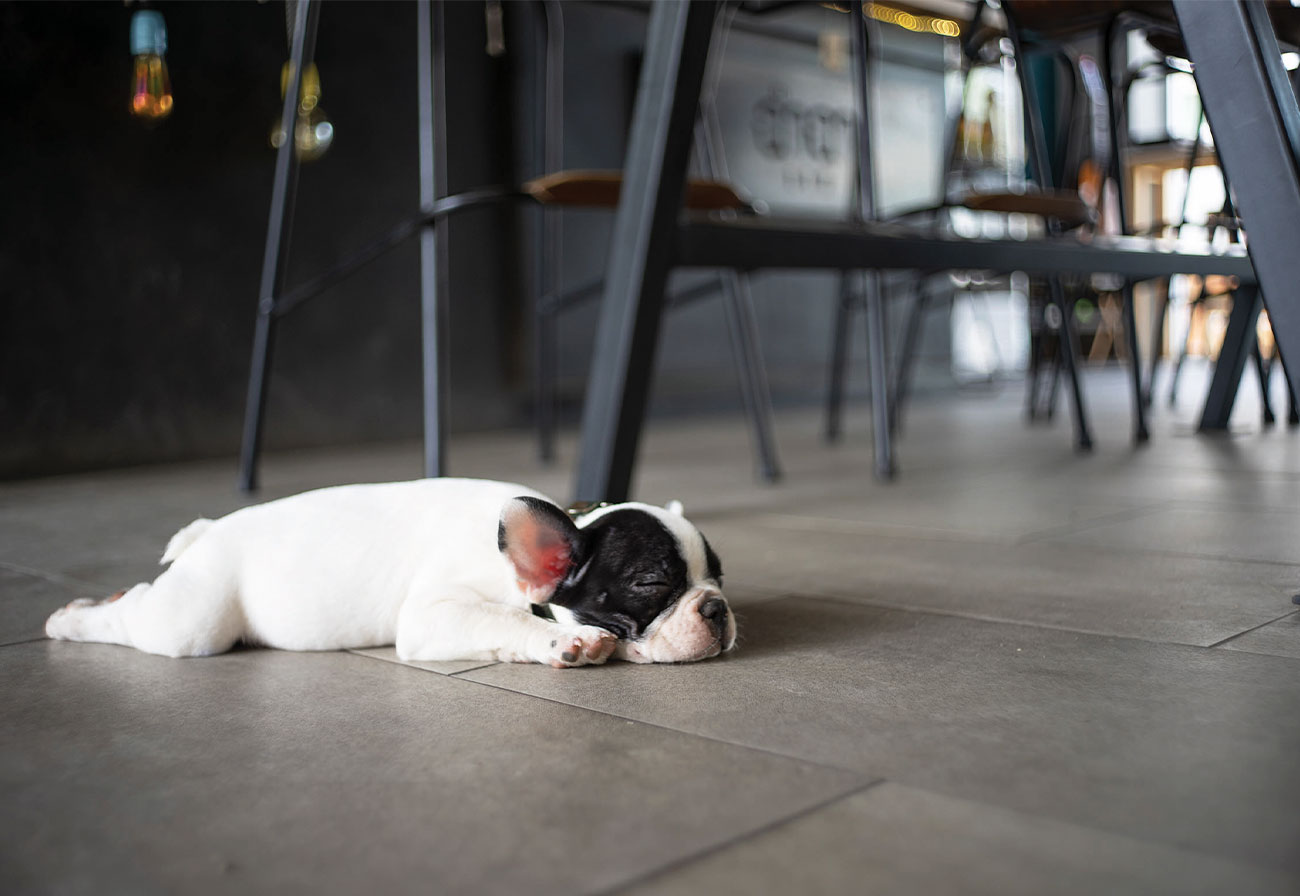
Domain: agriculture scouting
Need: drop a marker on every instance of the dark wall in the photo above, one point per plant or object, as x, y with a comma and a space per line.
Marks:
130, 256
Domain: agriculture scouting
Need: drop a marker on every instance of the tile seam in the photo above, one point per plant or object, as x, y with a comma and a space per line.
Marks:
773, 824
767, 751
1253, 628
997, 620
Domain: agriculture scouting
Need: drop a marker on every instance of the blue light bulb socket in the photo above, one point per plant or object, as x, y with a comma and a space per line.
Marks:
148, 33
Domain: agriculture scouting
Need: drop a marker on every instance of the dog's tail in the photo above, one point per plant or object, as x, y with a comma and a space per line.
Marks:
183, 539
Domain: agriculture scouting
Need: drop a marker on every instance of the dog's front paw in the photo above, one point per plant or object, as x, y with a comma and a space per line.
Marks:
582, 646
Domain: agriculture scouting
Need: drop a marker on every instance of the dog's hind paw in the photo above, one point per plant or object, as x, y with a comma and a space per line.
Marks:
73, 622
62, 624
583, 646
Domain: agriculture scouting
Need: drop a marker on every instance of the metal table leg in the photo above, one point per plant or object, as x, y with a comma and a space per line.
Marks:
1256, 122
873, 296
645, 230
1237, 343
275, 259
433, 239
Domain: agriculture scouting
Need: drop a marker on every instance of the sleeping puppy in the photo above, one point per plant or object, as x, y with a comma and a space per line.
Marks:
445, 569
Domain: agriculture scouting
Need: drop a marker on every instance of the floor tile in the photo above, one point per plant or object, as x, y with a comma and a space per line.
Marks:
897, 839
449, 667
268, 771
982, 511
26, 601
1156, 596
1264, 534
1188, 747
1280, 638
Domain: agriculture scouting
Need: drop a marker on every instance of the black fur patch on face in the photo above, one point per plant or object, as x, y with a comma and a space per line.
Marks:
629, 570
714, 564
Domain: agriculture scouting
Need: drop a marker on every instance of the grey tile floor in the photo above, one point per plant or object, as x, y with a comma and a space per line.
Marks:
1014, 670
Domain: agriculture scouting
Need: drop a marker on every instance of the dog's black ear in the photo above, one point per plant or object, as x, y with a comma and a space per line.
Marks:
541, 543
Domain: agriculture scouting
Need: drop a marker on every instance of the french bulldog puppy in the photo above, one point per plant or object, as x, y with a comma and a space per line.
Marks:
445, 569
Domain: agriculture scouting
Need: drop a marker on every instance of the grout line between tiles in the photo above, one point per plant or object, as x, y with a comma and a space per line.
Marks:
683, 861
1119, 516
360, 651
788, 522
1253, 628
1018, 623
659, 725
22, 641
56, 578
475, 669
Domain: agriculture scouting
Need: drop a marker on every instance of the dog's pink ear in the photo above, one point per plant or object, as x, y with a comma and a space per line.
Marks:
541, 543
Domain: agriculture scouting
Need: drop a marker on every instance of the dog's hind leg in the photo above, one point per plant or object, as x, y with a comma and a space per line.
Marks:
178, 615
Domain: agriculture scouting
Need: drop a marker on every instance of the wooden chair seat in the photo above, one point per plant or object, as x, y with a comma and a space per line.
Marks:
1064, 205
601, 189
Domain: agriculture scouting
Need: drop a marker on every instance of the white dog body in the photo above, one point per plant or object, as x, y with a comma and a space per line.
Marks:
416, 564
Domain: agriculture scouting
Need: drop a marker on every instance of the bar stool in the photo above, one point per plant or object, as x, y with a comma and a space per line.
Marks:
557, 189
1061, 209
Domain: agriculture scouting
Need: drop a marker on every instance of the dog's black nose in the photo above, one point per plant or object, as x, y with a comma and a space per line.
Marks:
715, 610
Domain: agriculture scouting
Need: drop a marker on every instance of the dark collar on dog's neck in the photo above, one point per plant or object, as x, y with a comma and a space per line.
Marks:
543, 611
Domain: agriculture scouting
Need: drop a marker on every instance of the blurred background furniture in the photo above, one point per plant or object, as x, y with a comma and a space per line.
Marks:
648, 240
553, 190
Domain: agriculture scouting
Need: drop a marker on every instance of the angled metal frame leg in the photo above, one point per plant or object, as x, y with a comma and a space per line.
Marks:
276, 255
1237, 342
548, 223
1069, 363
839, 361
1253, 113
1157, 342
907, 354
1262, 372
1117, 120
742, 319
742, 325
642, 247
433, 239
1292, 403
1140, 432
1041, 170
878, 361
873, 297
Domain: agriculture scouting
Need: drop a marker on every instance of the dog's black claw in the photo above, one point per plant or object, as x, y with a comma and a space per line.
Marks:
569, 656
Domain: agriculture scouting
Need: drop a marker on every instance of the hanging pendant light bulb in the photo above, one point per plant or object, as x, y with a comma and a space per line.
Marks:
312, 132
151, 93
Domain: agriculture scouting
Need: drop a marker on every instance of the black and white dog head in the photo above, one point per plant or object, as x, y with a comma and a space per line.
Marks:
640, 572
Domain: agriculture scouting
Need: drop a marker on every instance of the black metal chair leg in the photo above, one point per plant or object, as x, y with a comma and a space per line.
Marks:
1070, 363
907, 354
839, 359
1033, 374
548, 223
1157, 343
1182, 355
1262, 372
544, 383
878, 363
433, 240
1140, 432
645, 228
1053, 387
275, 257
752, 375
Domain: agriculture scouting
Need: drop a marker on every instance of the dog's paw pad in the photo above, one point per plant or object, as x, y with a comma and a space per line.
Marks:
585, 646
